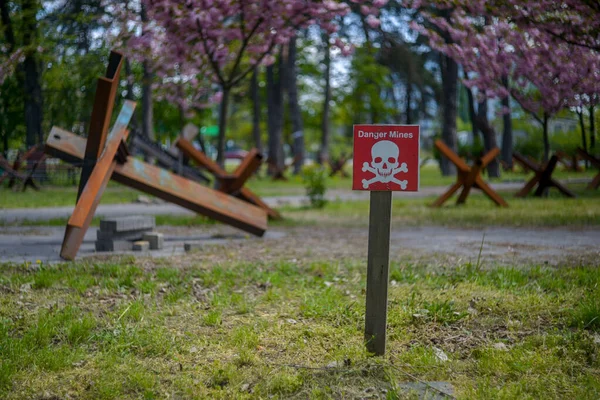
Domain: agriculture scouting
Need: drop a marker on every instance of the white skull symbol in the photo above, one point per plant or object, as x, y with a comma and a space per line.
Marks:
384, 158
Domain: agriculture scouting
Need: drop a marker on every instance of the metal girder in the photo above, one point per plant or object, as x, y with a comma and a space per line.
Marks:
89, 199
230, 183
167, 186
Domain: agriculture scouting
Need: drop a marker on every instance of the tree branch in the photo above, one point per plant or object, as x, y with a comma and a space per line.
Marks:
210, 54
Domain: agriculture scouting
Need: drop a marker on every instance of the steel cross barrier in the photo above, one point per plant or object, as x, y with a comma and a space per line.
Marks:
232, 184
595, 183
23, 159
111, 160
543, 177
468, 177
12, 173
570, 162
337, 166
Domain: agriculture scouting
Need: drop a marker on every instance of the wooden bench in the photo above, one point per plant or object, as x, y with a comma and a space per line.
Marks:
468, 177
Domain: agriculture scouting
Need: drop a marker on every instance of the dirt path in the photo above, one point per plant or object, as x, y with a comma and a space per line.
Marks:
500, 245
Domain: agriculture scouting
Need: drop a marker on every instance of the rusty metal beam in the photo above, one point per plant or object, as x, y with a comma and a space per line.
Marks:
452, 156
468, 177
167, 186
199, 157
232, 184
87, 203
106, 91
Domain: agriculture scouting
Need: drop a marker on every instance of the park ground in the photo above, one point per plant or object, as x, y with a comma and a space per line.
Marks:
484, 303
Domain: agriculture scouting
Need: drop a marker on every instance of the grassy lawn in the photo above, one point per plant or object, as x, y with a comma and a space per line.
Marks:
192, 328
479, 211
555, 210
118, 194
62, 196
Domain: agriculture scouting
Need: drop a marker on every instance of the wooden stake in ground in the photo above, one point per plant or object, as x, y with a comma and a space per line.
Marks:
386, 159
380, 215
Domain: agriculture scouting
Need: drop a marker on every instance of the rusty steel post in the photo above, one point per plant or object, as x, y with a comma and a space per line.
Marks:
106, 91
232, 184
89, 199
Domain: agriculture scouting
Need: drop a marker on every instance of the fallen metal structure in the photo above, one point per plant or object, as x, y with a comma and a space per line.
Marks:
105, 157
232, 184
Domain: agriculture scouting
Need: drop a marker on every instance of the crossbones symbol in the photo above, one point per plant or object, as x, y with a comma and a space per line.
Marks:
385, 165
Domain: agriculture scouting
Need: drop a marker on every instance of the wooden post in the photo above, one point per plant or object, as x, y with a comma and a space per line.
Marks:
380, 215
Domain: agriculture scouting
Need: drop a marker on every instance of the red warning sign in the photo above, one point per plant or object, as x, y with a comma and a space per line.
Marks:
386, 158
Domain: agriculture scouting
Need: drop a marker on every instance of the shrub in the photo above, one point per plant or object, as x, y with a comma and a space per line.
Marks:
314, 178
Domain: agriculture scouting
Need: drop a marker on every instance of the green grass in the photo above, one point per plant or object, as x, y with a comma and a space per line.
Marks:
118, 194
61, 196
479, 211
279, 329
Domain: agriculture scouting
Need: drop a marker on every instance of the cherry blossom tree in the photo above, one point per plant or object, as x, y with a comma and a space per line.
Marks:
545, 70
225, 39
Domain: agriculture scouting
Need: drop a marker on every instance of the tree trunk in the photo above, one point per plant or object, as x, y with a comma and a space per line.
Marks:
472, 113
324, 153
9, 33
507, 132
130, 95
255, 111
546, 137
32, 87
409, 95
450, 86
489, 138
275, 111
583, 137
295, 111
147, 103
223, 110
9, 37
592, 128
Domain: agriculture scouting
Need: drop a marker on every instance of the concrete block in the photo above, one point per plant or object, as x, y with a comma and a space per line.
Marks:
192, 246
155, 239
141, 245
113, 245
130, 235
126, 224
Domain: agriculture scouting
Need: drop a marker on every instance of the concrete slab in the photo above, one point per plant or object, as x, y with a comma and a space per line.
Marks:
141, 245
131, 235
155, 239
32, 244
113, 245
127, 224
